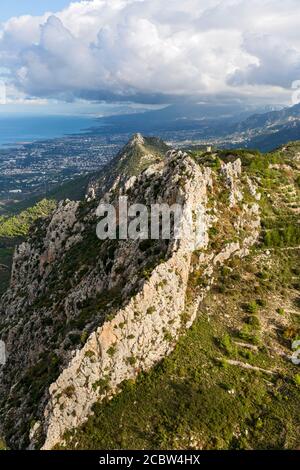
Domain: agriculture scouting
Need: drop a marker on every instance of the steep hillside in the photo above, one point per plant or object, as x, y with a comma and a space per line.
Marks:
274, 137
14, 229
268, 131
272, 118
230, 382
16, 217
182, 343
139, 153
39, 272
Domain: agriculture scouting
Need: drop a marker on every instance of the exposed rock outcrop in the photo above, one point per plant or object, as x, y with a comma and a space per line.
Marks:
125, 302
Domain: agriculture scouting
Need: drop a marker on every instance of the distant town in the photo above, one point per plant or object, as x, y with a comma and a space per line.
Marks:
35, 168
30, 169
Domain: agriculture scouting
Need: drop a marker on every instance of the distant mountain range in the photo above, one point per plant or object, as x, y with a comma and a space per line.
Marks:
206, 118
264, 128
269, 130
278, 117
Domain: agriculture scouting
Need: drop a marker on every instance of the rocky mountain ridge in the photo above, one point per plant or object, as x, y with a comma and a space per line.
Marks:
83, 315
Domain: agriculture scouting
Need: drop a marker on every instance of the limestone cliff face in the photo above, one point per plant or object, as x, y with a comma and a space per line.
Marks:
82, 315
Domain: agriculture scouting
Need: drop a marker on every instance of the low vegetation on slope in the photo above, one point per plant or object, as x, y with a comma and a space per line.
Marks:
18, 225
14, 229
16, 217
67, 282
230, 383
203, 396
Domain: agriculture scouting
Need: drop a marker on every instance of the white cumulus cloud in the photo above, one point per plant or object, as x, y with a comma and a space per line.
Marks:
155, 49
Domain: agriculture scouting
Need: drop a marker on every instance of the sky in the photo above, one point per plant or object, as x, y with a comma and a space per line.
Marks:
149, 52
11, 8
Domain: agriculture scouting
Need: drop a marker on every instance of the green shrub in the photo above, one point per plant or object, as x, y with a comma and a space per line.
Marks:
253, 320
227, 344
251, 307
247, 334
131, 360
69, 391
290, 333
102, 385
112, 351
84, 337
261, 302
281, 311
151, 310
2, 445
297, 379
89, 354
247, 355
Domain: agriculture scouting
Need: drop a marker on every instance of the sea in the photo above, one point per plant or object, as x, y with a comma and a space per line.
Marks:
16, 130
